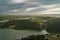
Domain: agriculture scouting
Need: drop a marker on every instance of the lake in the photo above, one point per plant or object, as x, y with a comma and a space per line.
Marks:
10, 34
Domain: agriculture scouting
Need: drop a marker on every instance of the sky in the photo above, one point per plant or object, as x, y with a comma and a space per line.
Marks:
29, 7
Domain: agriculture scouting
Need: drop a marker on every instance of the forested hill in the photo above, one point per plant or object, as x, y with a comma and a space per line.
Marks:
21, 25
51, 24
54, 26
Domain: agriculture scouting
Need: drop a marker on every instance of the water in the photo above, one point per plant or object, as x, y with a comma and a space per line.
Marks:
9, 34
4, 21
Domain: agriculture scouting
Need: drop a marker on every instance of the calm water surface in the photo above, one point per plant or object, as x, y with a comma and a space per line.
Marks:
9, 34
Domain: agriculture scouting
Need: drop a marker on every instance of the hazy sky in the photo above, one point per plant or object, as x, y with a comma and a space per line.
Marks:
29, 7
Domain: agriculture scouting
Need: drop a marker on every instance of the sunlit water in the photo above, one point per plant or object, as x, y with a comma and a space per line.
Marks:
9, 34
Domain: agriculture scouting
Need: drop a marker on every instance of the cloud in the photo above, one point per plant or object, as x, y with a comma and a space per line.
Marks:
48, 2
29, 7
17, 1
52, 11
41, 8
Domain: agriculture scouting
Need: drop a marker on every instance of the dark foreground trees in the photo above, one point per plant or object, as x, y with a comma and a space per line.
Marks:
34, 37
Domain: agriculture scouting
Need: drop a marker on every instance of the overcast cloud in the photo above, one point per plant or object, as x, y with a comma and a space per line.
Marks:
17, 7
